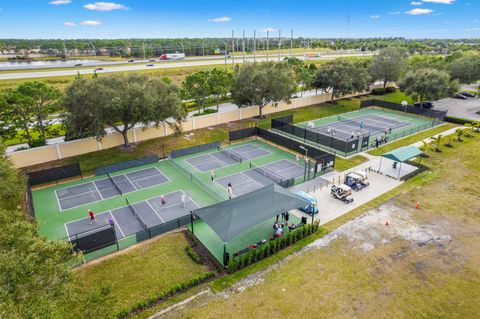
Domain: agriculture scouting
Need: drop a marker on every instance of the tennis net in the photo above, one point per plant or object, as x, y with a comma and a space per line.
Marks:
270, 174
369, 123
114, 184
231, 154
208, 188
135, 213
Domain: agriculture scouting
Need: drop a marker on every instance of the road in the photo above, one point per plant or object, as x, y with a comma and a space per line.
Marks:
158, 65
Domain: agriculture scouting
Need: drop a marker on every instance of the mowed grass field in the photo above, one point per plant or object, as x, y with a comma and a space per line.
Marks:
436, 275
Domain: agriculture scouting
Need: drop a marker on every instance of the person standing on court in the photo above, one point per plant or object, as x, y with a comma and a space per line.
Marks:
91, 214
183, 200
163, 200
212, 175
111, 222
230, 190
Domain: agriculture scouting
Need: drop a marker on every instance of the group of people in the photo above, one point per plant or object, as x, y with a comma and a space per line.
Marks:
278, 227
384, 138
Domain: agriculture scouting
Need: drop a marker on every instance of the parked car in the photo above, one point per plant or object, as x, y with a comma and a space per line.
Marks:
150, 65
424, 105
79, 64
99, 69
459, 96
152, 60
131, 61
467, 94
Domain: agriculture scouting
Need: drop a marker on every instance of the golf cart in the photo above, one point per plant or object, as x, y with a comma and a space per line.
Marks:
311, 209
354, 181
342, 192
364, 181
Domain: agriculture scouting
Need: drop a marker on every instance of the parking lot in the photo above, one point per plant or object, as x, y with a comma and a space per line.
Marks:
467, 109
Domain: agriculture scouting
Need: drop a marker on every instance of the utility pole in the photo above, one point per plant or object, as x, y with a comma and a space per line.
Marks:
233, 48
267, 43
243, 46
144, 50
291, 42
279, 43
65, 50
254, 46
203, 46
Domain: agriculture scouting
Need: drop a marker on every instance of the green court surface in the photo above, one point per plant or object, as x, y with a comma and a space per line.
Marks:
214, 244
51, 219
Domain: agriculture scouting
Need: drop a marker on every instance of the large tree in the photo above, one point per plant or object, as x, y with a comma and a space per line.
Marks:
388, 65
195, 87
341, 77
220, 83
262, 84
465, 69
44, 100
428, 84
17, 112
121, 102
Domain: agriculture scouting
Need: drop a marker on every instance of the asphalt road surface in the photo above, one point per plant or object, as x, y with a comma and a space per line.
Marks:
157, 65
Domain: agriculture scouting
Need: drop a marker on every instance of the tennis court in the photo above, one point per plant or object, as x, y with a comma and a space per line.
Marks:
260, 176
91, 192
226, 157
373, 124
135, 217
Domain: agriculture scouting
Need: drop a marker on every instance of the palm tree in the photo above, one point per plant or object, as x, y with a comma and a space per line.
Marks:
426, 147
468, 129
459, 133
436, 141
449, 138
476, 126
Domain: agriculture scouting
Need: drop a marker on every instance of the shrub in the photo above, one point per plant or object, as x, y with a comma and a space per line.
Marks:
390, 89
378, 91
457, 120
193, 254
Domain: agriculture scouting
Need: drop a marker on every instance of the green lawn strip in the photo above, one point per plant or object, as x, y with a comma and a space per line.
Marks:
412, 139
138, 274
343, 164
55, 130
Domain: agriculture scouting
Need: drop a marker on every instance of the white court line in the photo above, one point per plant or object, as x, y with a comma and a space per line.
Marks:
90, 191
62, 210
116, 223
66, 229
214, 159
252, 180
160, 173
98, 190
155, 212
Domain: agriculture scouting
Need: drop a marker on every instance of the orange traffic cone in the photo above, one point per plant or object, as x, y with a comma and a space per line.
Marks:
417, 205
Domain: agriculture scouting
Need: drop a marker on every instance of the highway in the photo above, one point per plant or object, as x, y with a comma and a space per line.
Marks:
160, 65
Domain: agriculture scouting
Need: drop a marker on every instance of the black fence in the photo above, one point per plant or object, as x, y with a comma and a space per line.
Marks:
54, 174
126, 165
437, 114
29, 199
242, 134
326, 159
94, 240
333, 143
194, 149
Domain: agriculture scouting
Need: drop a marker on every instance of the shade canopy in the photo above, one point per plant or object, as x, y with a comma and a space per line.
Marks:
231, 218
403, 154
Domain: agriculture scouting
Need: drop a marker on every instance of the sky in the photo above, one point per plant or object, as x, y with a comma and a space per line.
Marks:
200, 18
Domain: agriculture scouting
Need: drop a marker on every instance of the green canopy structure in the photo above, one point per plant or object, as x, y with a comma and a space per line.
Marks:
230, 218
401, 155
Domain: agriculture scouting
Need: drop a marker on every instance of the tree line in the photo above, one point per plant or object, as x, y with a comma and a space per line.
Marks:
122, 101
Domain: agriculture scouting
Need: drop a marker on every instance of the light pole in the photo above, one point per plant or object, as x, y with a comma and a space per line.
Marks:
94, 52
306, 159
279, 43
255, 46
183, 48
225, 51
267, 43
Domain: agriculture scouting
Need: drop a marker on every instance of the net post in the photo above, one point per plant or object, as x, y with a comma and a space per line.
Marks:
191, 222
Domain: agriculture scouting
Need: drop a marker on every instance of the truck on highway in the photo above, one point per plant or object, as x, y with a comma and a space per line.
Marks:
311, 55
172, 56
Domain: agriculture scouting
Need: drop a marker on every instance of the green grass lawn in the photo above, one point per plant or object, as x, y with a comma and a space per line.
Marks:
343, 164
135, 275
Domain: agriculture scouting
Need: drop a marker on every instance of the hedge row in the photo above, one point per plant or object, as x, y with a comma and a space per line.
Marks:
153, 300
458, 120
271, 247
382, 91
193, 254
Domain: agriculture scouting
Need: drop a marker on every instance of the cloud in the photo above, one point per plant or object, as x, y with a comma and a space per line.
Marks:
92, 23
416, 3
374, 17
105, 6
440, 1
220, 20
394, 13
418, 11
69, 24
268, 29
473, 29
58, 2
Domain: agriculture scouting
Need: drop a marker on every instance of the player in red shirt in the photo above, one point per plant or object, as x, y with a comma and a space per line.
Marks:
92, 216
